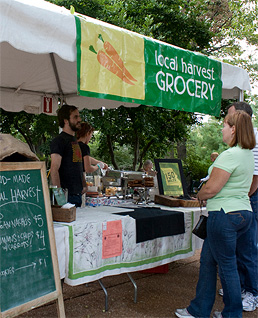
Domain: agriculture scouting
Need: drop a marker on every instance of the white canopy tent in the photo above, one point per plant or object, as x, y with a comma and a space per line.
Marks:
38, 59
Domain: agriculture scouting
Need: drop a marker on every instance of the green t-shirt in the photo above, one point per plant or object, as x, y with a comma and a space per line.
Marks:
234, 195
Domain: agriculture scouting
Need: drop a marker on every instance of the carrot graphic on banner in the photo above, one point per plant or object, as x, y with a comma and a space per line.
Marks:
111, 51
110, 59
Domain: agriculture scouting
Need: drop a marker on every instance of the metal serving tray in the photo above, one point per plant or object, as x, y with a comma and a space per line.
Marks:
111, 181
114, 173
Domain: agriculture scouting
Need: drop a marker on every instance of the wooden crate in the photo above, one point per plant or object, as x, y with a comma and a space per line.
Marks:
174, 202
189, 203
63, 215
166, 200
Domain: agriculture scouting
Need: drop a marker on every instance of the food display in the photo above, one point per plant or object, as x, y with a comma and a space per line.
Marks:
149, 182
142, 181
94, 194
119, 183
111, 191
112, 178
135, 183
89, 181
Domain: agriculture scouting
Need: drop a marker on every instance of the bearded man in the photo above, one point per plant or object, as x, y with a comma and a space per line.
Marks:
66, 157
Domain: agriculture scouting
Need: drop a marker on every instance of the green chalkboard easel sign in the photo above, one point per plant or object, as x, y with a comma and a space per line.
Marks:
29, 273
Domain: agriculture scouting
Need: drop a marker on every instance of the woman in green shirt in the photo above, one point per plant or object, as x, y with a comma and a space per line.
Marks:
230, 216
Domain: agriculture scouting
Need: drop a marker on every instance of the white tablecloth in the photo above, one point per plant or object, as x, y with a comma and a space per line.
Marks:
81, 245
61, 237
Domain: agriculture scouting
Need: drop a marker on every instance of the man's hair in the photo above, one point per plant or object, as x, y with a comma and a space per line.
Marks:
64, 113
242, 106
244, 132
85, 129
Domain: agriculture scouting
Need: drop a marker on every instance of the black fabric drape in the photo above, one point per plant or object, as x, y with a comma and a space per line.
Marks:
153, 223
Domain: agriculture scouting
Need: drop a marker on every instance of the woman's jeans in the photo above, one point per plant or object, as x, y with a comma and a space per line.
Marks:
247, 261
225, 233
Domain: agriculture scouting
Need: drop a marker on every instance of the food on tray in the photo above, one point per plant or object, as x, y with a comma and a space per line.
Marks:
111, 191
145, 182
93, 194
149, 182
135, 183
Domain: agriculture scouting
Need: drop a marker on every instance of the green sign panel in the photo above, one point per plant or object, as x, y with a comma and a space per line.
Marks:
26, 270
180, 79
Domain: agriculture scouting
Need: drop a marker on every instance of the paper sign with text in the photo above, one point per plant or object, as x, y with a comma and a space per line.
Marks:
111, 239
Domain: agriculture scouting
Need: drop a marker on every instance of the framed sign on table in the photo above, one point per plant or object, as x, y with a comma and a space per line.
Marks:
171, 179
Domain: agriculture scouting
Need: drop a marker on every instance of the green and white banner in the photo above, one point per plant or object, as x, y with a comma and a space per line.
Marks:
118, 64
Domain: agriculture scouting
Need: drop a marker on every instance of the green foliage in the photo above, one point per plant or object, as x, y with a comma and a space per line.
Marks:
234, 25
123, 154
36, 130
253, 100
92, 8
202, 141
124, 157
172, 21
207, 138
147, 132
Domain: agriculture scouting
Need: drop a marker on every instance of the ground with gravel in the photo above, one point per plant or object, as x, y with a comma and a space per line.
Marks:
158, 295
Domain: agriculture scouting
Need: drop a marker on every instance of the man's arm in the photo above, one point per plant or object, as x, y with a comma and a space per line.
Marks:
84, 185
254, 185
54, 169
94, 161
87, 164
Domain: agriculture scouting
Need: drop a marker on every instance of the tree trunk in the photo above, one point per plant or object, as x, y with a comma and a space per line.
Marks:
145, 149
136, 151
171, 153
111, 152
181, 149
27, 138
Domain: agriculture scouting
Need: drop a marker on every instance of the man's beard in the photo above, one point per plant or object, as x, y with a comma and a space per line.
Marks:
74, 127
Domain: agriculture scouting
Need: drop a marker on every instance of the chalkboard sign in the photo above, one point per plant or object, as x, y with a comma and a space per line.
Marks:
29, 270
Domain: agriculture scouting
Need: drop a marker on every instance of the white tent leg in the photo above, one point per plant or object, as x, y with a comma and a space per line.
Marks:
241, 96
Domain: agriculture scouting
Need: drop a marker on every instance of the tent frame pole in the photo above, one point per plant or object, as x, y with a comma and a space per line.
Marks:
52, 57
241, 95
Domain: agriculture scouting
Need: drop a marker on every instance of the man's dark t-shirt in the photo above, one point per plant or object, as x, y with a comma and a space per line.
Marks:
85, 149
71, 168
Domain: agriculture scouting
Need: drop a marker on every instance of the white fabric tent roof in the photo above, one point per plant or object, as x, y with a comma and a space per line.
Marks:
38, 58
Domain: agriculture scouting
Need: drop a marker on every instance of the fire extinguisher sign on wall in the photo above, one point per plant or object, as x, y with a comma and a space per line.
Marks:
47, 105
